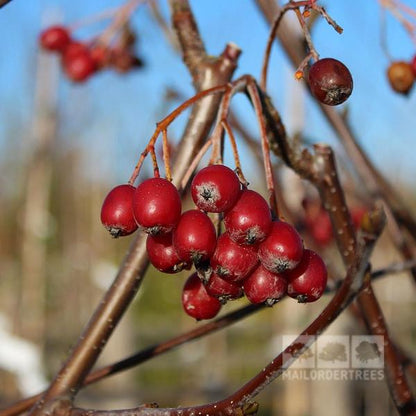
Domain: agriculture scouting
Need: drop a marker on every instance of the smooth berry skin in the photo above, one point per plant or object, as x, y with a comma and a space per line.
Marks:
55, 38
156, 206
231, 261
116, 211
401, 77
194, 237
215, 188
263, 286
79, 67
223, 290
249, 221
162, 253
307, 281
283, 248
330, 81
196, 301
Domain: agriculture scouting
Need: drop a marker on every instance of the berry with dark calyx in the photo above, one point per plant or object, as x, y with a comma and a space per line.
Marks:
330, 81
194, 237
122, 60
162, 254
157, 205
79, 68
263, 286
401, 77
196, 301
116, 212
55, 38
307, 281
215, 188
231, 261
249, 220
223, 290
283, 248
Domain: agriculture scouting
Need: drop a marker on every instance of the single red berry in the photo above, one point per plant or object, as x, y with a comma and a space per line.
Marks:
157, 205
321, 229
330, 81
307, 281
116, 212
232, 261
55, 38
215, 188
73, 49
264, 286
101, 55
401, 77
196, 301
249, 220
194, 237
413, 65
221, 289
162, 254
283, 248
80, 67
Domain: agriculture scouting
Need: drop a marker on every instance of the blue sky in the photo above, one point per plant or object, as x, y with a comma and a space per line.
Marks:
119, 113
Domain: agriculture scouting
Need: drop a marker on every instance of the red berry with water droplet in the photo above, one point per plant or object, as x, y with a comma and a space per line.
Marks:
196, 301
283, 248
263, 286
249, 220
307, 281
194, 237
330, 81
157, 205
116, 211
215, 188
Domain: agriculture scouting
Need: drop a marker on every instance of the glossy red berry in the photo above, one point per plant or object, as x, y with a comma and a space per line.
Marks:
249, 220
264, 286
307, 281
401, 77
79, 67
215, 188
55, 38
221, 289
116, 212
196, 301
157, 205
162, 254
231, 261
283, 248
194, 237
330, 81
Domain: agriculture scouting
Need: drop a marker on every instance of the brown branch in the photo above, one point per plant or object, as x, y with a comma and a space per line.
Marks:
4, 2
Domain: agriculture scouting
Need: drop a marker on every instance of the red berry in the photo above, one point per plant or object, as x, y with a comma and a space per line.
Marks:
249, 220
79, 67
413, 65
232, 261
116, 211
196, 301
215, 188
194, 237
321, 228
157, 205
307, 281
100, 55
401, 77
162, 254
330, 81
283, 248
73, 49
220, 288
55, 38
264, 286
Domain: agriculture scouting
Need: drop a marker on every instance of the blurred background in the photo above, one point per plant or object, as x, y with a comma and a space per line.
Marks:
63, 146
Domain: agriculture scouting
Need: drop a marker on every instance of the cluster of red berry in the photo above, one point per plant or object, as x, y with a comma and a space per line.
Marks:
256, 255
402, 75
81, 60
